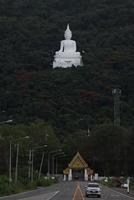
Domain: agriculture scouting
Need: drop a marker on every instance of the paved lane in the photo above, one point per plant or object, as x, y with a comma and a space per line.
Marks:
108, 194
46, 196
39, 194
66, 191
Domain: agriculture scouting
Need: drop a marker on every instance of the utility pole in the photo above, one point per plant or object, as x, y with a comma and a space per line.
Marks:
49, 159
16, 168
29, 164
48, 164
10, 162
41, 164
32, 157
116, 94
17, 158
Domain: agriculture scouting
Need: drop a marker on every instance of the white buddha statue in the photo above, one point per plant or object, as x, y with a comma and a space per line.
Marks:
67, 55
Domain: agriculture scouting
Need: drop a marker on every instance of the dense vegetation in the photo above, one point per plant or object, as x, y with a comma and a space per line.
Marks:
70, 100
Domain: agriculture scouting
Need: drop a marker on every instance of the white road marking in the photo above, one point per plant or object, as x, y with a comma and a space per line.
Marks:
53, 195
45, 196
121, 193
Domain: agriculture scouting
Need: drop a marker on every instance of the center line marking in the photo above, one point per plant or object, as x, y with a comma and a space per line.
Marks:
78, 195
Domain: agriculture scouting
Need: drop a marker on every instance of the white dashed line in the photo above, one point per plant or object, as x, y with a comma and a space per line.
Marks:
53, 195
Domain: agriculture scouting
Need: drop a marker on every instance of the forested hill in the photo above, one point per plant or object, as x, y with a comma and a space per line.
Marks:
30, 32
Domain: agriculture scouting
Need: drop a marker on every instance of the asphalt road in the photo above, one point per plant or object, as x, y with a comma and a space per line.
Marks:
110, 194
65, 191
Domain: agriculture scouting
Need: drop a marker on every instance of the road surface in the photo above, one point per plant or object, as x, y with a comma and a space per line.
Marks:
67, 191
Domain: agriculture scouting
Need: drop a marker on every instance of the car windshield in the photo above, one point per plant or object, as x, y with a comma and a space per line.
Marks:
93, 185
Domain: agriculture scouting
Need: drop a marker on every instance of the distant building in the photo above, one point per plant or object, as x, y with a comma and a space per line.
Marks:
77, 169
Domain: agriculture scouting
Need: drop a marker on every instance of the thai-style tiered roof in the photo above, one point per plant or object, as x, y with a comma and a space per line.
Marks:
78, 163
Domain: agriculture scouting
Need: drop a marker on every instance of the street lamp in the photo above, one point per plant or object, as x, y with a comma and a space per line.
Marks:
10, 161
49, 156
42, 160
17, 157
56, 162
53, 161
31, 160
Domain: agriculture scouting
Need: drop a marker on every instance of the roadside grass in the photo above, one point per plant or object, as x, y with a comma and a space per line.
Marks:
23, 185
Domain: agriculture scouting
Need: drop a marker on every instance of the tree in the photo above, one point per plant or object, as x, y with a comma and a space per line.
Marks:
110, 147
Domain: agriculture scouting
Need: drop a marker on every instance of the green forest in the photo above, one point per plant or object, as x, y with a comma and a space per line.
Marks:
75, 105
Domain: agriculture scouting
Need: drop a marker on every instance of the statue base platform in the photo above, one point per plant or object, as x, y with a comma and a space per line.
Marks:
67, 59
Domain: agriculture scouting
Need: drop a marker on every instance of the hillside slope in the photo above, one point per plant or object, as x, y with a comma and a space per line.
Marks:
70, 98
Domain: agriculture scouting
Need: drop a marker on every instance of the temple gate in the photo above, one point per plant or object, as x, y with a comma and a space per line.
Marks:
77, 169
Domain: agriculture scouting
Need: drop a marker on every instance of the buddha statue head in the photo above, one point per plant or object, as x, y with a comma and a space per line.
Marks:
68, 33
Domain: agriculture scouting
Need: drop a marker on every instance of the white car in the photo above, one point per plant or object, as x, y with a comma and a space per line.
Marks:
93, 189
124, 185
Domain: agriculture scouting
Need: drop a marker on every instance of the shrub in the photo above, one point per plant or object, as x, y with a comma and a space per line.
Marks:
45, 181
23, 184
5, 188
112, 182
